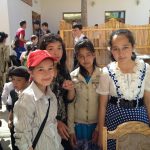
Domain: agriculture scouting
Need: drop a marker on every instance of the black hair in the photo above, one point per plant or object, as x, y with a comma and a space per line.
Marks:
10, 69
20, 71
52, 38
77, 25
29, 46
3, 36
45, 24
128, 34
22, 22
85, 43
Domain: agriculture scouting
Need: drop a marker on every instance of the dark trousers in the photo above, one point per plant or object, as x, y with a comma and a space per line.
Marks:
66, 144
1, 147
13, 139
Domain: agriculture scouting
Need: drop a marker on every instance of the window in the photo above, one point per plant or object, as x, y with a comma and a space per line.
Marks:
119, 15
72, 16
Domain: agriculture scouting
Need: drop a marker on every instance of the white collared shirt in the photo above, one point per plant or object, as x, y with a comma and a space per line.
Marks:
6, 91
128, 82
29, 112
78, 38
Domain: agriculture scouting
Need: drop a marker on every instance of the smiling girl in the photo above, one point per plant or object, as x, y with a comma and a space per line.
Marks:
124, 86
62, 85
83, 112
33, 105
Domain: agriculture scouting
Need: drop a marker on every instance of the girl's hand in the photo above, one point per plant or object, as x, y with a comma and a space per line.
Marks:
10, 124
62, 130
68, 85
73, 140
30, 148
95, 137
100, 142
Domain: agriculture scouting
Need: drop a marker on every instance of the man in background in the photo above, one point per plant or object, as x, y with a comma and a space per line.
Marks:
45, 29
20, 34
77, 35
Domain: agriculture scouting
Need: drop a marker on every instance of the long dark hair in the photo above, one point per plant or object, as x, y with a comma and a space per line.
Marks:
128, 34
85, 43
51, 38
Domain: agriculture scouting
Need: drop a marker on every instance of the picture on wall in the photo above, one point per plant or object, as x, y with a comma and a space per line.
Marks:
72, 16
118, 15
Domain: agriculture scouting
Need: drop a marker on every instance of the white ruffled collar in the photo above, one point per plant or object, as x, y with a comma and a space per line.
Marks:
128, 82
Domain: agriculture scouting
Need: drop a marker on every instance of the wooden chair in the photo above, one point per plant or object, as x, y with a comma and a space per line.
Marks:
131, 127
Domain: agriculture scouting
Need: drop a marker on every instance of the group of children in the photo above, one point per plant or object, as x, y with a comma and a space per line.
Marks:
76, 105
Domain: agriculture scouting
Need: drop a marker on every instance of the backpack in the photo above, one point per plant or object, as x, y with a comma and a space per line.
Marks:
15, 42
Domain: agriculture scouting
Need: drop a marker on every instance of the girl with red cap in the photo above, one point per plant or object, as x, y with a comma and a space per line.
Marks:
37, 105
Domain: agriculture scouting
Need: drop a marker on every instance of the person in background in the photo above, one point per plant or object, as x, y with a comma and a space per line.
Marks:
34, 40
96, 36
24, 55
37, 29
20, 81
20, 34
8, 86
4, 61
77, 35
77, 32
36, 102
45, 29
83, 112
62, 85
124, 87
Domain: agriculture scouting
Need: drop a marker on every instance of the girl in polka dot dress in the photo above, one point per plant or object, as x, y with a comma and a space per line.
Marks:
124, 86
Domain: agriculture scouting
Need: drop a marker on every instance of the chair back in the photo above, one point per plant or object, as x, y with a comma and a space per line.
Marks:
130, 127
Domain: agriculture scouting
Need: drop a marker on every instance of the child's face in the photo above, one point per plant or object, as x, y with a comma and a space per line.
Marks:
55, 49
76, 32
45, 28
36, 26
35, 41
121, 48
19, 83
43, 73
86, 58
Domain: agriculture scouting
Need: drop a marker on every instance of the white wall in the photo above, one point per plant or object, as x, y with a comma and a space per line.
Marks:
12, 11
52, 11
18, 10
135, 14
4, 23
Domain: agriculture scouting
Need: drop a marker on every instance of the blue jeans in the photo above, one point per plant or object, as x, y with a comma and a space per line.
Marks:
19, 51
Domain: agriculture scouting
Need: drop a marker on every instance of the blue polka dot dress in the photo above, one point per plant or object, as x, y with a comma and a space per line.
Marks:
116, 115
125, 86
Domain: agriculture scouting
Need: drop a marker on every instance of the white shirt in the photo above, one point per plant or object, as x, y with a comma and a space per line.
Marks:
6, 91
128, 82
76, 39
29, 112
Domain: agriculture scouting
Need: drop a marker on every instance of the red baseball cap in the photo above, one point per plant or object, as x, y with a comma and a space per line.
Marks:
37, 56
